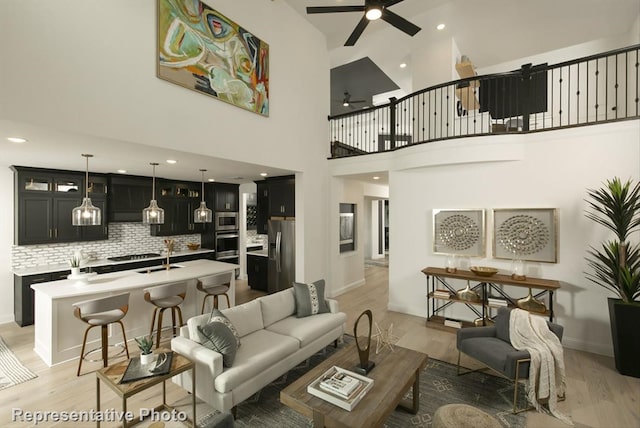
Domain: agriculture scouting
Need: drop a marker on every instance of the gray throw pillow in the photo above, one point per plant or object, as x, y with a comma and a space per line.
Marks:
218, 316
218, 337
310, 298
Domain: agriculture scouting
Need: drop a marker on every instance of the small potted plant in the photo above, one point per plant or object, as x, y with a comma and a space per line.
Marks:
145, 343
75, 261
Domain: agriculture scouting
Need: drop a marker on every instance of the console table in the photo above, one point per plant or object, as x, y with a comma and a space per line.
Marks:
483, 286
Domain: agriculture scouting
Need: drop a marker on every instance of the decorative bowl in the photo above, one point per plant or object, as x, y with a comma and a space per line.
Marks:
193, 246
483, 270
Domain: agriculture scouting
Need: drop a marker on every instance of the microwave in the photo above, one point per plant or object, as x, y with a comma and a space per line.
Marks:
226, 221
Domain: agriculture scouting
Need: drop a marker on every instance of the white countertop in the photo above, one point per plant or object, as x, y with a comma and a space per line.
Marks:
130, 279
37, 270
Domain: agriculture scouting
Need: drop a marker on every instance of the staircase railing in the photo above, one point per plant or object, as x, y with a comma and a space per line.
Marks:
586, 91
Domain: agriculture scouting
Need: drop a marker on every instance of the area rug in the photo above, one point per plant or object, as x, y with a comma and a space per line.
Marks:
439, 385
12, 372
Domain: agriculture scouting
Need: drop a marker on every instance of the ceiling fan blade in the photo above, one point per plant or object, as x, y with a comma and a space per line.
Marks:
335, 9
399, 22
355, 35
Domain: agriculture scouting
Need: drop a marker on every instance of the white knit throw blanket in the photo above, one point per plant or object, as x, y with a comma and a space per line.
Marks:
546, 371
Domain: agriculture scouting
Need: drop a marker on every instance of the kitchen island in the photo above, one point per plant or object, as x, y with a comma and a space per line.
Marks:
58, 333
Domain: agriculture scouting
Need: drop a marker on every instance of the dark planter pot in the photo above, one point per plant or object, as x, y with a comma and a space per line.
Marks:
625, 332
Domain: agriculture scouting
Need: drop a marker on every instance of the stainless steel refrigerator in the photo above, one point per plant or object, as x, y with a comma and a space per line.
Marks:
282, 254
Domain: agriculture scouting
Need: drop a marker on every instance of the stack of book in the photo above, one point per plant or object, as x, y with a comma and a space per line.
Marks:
341, 387
497, 301
441, 294
452, 323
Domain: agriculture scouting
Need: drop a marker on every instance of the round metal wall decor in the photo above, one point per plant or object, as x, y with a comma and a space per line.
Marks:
459, 232
523, 234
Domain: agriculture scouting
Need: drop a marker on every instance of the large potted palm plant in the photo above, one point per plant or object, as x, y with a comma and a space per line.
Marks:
616, 267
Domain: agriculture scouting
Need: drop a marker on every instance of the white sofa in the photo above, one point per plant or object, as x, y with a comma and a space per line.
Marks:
273, 341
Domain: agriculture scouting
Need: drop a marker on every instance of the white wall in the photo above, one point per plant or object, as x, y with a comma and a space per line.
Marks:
546, 170
89, 67
6, 238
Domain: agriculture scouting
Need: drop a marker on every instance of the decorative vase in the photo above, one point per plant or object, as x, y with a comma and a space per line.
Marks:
468, 294
532, 304
518, 270
452, 263
146, 358
75, 271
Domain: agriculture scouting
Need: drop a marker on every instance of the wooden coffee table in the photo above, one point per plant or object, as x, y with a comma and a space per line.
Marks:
111, 376
393, 375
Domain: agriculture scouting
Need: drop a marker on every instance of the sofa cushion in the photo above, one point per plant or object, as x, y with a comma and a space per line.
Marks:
277, 306
308, 329
497, 354
310, 298
260, 350
193, 323
218, 337
246, 318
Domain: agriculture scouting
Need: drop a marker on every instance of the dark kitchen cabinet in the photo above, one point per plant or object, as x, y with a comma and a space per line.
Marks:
226, 197
257, 272
179, 201
128, 196
282, 197
276, 197
262, 207
44, 200
23, 295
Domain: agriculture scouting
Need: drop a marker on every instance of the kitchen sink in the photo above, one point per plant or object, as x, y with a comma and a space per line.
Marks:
159, 268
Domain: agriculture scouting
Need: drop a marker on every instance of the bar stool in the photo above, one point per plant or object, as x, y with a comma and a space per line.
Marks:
214, 286
167, 296
100, 313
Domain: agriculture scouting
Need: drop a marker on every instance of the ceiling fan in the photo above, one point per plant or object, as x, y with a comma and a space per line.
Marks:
373, 9
348, 102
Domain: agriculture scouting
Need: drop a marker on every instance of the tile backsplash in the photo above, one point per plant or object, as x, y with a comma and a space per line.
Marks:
124, 238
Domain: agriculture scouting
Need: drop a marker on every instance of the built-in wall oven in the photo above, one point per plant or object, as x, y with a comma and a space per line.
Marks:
226, 221
227, 246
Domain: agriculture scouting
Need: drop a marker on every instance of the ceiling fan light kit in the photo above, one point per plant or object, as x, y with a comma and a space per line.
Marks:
373, 9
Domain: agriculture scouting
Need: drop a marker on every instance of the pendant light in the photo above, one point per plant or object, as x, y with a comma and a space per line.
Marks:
202, 214
86, 214
153, 214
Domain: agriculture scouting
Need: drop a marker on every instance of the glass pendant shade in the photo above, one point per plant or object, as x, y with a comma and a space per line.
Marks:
153, 214
202, 214
86, 214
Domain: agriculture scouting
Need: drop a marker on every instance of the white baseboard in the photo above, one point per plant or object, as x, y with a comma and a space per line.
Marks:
595, 348
348, 287
6, 318
415, 311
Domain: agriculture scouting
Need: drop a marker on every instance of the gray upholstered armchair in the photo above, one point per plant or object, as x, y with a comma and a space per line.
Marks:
491, 346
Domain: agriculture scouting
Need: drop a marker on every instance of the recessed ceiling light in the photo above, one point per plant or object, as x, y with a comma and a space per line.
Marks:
376, 178
171, 161
122, 171
440, 27
17, 139
263, 174
211, 180
403, 65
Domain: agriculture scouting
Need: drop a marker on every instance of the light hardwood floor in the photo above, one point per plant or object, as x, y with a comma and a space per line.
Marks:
597, 395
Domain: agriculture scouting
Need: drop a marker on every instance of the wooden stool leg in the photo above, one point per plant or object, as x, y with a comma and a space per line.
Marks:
215, 301
105, 345
159, 329
180, 315
124, 337
204, 299
173, 320
228, 302
84, 344
153, 321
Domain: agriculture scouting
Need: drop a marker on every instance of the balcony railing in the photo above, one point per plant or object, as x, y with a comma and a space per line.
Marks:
586, 91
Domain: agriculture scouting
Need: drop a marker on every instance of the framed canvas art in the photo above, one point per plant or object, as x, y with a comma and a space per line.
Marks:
203, 50
525, 234
459, 232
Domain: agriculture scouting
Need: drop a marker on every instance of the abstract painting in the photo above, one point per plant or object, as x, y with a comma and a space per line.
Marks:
201, 49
